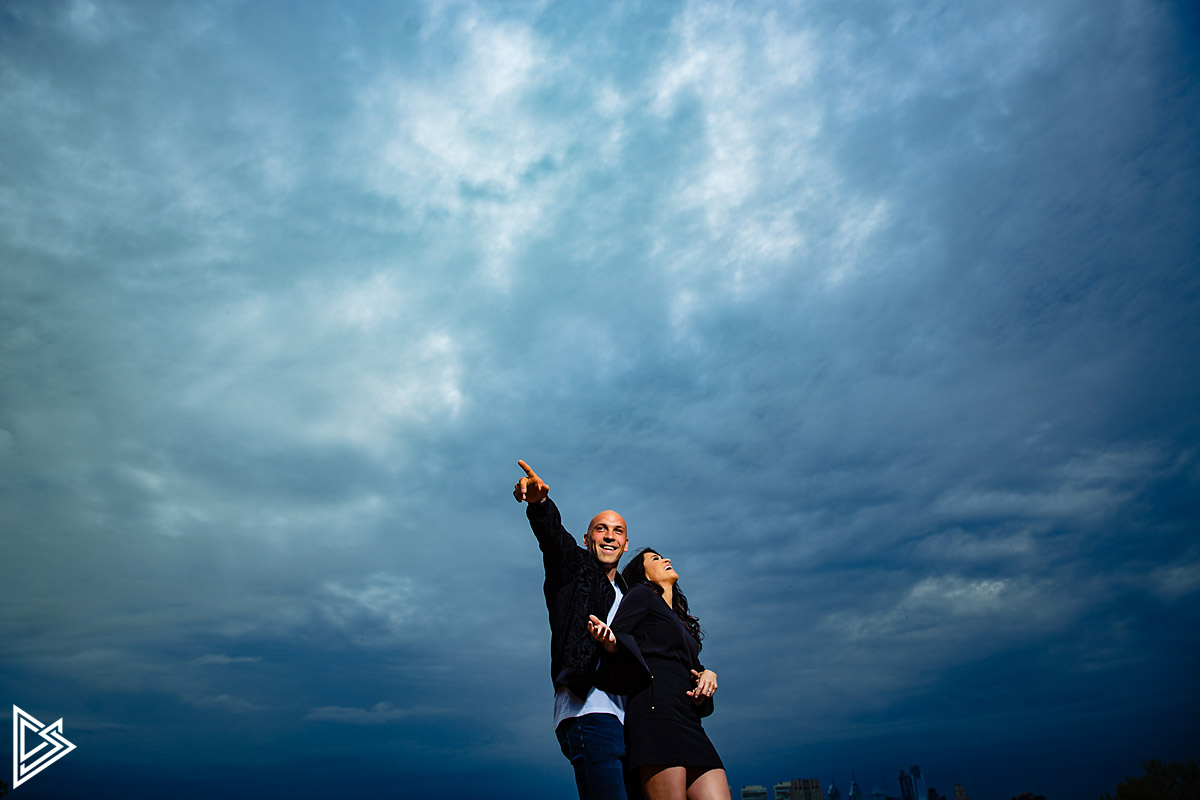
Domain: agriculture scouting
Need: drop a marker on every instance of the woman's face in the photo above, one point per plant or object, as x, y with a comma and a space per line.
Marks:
658, 569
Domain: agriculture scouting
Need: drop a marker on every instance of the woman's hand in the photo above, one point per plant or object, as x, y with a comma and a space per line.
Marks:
706, 686
603, 634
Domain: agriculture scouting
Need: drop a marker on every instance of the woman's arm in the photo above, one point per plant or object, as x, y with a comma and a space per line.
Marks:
622, 668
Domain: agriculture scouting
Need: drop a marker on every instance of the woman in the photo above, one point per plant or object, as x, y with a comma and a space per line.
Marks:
654, 648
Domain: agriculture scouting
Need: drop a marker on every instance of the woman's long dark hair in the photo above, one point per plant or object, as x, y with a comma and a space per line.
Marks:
635, 573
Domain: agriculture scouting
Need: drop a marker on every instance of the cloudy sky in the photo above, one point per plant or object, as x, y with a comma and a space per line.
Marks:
878, 316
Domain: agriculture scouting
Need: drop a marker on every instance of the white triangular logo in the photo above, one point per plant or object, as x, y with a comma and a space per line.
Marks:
30, 738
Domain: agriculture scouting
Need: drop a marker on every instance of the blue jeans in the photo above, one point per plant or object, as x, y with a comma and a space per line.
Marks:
595, 746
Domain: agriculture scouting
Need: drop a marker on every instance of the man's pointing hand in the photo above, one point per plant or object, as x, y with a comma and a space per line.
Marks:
530, 489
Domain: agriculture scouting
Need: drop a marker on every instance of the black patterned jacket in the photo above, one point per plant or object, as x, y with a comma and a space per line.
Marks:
575, 587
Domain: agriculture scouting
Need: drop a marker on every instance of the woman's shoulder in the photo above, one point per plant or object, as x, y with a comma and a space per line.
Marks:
640, 593
645, 597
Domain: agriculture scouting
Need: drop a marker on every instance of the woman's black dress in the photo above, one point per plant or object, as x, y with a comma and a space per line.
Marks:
657, 654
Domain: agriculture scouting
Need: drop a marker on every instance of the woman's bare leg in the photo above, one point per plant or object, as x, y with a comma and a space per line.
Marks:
708, 785
664, 783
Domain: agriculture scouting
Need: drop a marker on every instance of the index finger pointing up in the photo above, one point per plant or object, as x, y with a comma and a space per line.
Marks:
528, 470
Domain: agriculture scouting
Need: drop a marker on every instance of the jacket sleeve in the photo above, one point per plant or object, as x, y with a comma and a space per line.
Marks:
705, 708
557, 546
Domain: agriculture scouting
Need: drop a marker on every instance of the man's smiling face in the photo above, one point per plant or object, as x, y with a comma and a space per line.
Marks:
606, 538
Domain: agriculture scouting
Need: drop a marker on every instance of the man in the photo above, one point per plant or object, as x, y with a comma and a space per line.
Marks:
581, 582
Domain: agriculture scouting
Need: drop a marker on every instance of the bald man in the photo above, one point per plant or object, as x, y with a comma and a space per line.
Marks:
581, 581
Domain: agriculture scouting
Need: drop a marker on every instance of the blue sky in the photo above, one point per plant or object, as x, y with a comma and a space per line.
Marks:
879, 318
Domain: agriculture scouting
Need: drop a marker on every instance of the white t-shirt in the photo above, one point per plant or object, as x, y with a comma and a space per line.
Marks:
567, 705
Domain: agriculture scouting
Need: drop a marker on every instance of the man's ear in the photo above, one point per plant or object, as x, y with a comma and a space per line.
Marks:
626, 550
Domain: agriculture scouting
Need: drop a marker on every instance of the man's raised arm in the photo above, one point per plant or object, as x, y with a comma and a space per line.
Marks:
556, 544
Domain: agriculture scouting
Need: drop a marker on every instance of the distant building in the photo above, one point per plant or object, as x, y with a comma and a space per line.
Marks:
832, 792
918, 782
806, 789
754, 793
960, 793
783, 790
855, 793
912, 784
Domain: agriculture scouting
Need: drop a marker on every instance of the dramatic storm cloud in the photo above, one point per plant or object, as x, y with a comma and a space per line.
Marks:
879, 318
